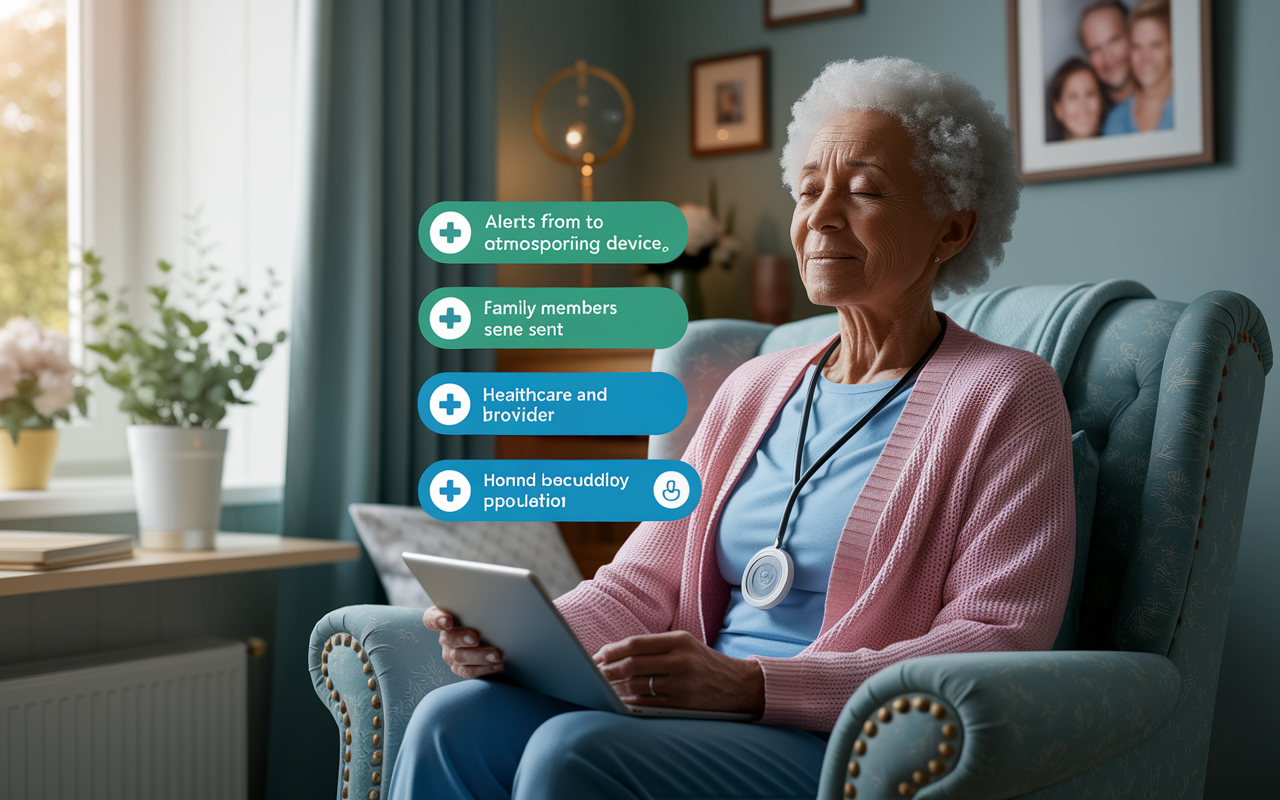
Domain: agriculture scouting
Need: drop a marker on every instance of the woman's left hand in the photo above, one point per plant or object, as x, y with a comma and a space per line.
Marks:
685, 673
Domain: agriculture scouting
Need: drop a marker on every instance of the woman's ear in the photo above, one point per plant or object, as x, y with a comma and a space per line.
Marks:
957, 230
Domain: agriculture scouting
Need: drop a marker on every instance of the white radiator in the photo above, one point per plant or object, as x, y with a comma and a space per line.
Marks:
165, 722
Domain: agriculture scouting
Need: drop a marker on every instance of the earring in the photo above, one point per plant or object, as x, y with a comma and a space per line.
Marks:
936, 259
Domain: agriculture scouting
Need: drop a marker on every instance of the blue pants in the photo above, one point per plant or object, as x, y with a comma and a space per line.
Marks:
478, 739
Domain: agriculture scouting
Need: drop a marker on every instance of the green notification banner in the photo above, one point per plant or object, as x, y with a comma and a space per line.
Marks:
465, 318
553, 233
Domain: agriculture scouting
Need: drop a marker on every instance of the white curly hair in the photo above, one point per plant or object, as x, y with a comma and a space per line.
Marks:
963, 149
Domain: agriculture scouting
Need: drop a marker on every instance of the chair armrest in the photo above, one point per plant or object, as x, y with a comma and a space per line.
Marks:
370, 666
993, 725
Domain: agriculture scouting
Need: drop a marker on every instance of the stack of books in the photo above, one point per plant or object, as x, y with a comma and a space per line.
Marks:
35, 551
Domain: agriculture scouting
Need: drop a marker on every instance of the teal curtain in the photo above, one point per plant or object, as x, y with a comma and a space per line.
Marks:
396, 111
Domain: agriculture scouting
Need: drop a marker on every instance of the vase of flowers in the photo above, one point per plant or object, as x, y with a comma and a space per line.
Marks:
177, 378
38, 387
710, 242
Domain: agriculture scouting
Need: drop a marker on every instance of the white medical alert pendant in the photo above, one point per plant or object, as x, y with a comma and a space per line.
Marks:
768, 577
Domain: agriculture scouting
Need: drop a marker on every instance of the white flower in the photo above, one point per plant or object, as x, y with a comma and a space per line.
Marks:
704, 230
57, 391
9, 376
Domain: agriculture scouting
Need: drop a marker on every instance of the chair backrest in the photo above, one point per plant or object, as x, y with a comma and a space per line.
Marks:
1169, 395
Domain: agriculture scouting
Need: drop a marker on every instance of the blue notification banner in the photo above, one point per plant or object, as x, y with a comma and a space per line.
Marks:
553, 403
598, 490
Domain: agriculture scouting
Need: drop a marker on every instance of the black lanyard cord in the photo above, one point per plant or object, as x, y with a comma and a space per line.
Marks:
800, 480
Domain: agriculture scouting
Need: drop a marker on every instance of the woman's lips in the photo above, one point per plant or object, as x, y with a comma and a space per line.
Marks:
828, 255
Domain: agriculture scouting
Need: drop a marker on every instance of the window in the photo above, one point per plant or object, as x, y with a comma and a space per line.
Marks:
33, 161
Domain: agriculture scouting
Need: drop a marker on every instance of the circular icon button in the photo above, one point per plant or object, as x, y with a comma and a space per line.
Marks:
450, 490
450, 318
450, 404
450, 232
671, 489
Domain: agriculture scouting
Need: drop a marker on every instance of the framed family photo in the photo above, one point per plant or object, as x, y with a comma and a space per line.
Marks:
1099, 87
785, 12
729, 103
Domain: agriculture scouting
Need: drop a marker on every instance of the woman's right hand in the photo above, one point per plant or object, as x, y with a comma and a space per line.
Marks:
460, 647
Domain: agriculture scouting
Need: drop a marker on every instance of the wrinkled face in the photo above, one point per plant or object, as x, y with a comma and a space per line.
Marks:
862, 231
1079, 109
1106, 43
1152, 54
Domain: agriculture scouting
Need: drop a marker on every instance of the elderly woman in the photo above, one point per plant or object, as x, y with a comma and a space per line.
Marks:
943, 524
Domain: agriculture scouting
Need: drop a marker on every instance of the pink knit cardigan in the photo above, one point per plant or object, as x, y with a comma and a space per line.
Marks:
962, 539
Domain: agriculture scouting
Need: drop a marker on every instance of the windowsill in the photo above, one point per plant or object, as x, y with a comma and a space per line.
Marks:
112, 494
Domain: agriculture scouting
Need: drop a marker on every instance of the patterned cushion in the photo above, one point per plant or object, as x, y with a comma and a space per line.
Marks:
387, 531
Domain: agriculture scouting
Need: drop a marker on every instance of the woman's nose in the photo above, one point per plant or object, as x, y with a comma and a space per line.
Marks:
826, 213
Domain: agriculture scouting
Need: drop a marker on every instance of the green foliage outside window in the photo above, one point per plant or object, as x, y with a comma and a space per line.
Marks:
33, 163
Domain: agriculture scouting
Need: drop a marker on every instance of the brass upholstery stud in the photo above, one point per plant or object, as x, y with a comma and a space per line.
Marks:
946, 750
373, 684
938, 711
335, 694
328, 646
344, 793
869, 727
1204, 500
324, 670
324, 657
1208, 473
1211, 443
884, 715
347, 757
936, 767
1197, 544
346, 774
363, 656
1215, 423
860, 747
346, 639
373, 794
1219, 397
1231, 349
346, 720
342, 707
902, 705
1200, 524
921, 703
348, 736
368, 668
849, 790
355, 646
377, 777
377, 739
328, 684
906, 790
854, 769
949, 731
377, 722
377, 701
376, 758
920, 778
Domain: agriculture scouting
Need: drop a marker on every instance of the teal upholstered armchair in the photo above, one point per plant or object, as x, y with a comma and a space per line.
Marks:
1168, 396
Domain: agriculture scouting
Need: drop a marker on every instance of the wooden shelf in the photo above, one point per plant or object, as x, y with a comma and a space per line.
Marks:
235, 552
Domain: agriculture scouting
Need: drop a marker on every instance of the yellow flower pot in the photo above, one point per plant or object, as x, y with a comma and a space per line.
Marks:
30, 463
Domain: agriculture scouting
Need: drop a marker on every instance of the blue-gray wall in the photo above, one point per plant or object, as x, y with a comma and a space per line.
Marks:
1181, 232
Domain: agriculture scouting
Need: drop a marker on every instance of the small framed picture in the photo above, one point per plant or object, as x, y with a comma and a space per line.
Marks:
1101, 87
729, 103
785, 12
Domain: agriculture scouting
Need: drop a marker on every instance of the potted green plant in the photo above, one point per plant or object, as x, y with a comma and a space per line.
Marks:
200, 353
38, 387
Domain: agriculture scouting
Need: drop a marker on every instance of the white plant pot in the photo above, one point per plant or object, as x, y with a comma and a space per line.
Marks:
177, 479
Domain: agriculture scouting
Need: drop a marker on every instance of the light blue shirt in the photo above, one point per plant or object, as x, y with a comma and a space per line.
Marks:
1120, 119
751, 515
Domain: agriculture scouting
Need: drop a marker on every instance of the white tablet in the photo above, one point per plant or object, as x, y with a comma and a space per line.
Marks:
514, 614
